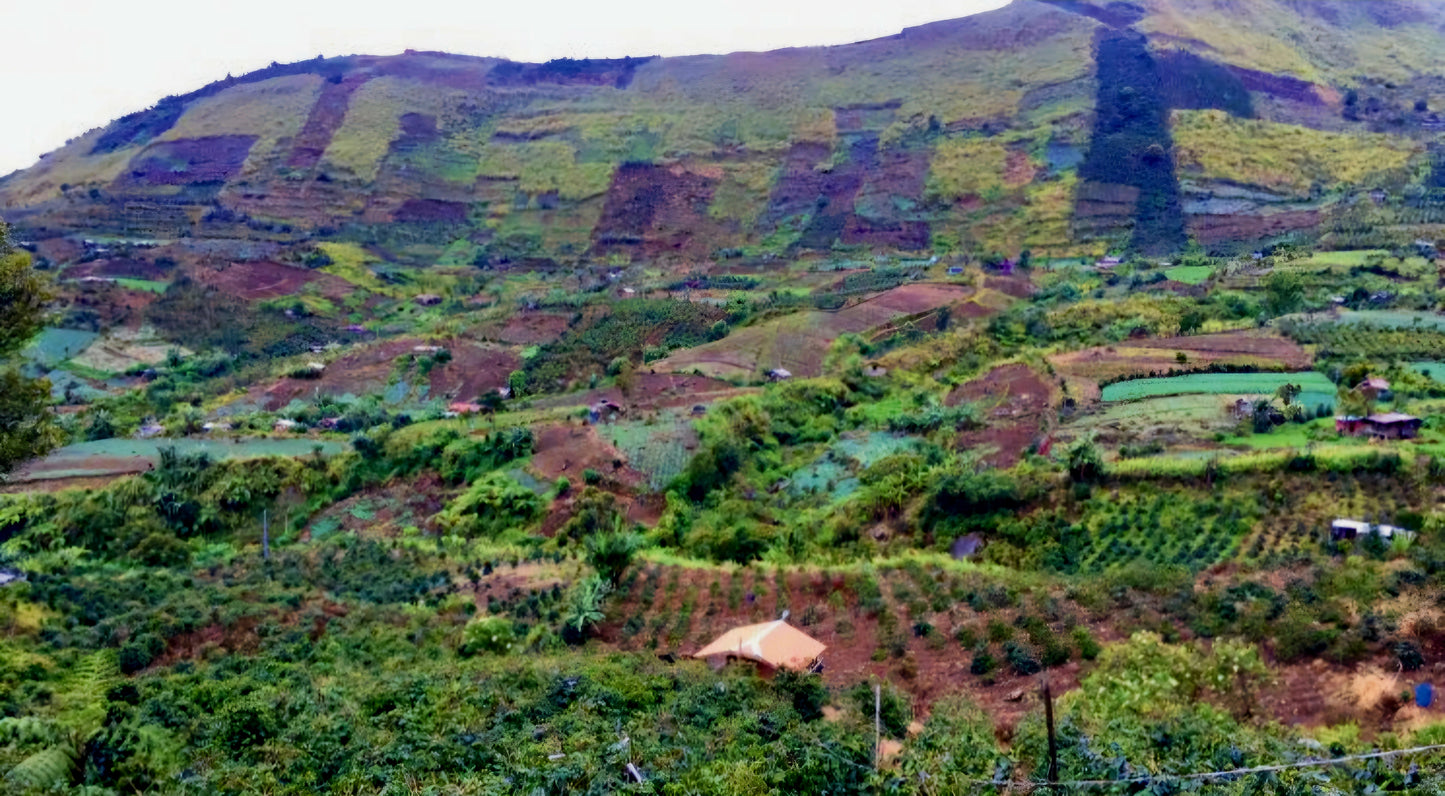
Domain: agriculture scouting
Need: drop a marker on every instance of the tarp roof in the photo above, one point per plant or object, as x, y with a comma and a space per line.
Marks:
777, 644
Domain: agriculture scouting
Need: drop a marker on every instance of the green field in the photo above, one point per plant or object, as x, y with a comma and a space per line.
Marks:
658, 449
1433, 370
1189, 274
148, 285
1344, 259
53, 346
1314, 385
1396, 319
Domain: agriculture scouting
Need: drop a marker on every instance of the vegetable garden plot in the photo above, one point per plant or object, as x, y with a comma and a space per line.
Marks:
53, 346
1395, 319
660, 450
1217, 384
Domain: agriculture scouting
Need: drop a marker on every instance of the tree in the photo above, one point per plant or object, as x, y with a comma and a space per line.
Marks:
1284, 293
1086, 464
517, 383
27, 428
1287, 393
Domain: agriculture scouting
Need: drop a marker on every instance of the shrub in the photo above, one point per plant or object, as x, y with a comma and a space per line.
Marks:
591, 477
1021, 658
983, 661
1088, 648
807, 692
894, 711
492, 634
1409, 655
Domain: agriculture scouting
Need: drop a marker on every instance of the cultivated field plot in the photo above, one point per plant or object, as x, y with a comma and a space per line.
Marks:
1313, 384
1395, 319
798, 343
1189, 274
658, 447
259, 280
472, 370
1015, 405
835, 471
1142, 357
1187, 415
1432, 370
53, 346
116, 456
125, 348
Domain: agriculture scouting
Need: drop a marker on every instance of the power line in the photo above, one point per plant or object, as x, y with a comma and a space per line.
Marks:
1026, 786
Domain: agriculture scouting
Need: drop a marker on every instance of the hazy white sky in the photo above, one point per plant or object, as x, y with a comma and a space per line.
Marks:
70, 65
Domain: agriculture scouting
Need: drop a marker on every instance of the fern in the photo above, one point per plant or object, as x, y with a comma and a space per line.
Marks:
49, 769
29, 731
82, 694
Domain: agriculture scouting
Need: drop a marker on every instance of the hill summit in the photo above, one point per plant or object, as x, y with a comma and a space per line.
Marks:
1064, 127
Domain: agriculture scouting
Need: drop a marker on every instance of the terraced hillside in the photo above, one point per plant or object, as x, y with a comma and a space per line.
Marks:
1065, 127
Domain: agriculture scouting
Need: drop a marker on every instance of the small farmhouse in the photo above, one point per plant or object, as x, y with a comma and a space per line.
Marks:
1393, 425
771, 645
779, 374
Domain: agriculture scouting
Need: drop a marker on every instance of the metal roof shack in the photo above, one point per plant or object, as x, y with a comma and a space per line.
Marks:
772, 645
1393, 425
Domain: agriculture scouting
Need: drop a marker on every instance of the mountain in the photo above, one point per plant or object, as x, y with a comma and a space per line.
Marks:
1066, 127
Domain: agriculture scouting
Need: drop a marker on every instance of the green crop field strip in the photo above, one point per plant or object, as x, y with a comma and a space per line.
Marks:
147, 285
1189, 274
1396, 319
1216, 384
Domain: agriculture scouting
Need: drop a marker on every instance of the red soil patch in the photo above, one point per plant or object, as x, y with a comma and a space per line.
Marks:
1017, 406
1285, 351
472, 371
116, 305
1016, 286
533, 328
930, 668
259, 280
568, 450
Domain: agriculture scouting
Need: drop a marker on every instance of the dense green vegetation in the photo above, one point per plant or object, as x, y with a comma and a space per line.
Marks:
417, 498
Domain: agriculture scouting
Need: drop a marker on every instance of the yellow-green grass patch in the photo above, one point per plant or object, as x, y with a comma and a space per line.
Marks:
1282, 157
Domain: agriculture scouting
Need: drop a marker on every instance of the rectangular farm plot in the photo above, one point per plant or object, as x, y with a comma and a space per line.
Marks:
1218, 384
659, 449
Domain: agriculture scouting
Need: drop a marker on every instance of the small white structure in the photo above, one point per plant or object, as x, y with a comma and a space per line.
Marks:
1343, 529
779, 374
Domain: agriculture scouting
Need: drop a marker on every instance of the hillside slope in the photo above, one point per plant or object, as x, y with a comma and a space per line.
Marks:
1066, 127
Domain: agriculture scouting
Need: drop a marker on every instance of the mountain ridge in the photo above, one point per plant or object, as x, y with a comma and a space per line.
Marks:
1048, 125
